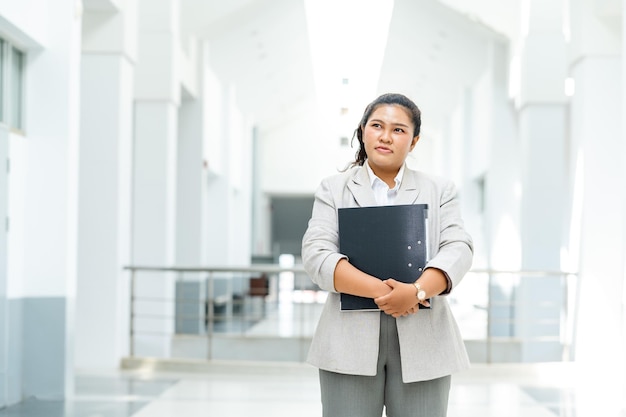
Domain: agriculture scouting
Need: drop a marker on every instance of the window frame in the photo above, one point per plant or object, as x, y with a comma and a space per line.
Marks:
15, 91
12, 91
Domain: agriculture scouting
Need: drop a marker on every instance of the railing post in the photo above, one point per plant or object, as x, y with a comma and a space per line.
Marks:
563, 320
210, 316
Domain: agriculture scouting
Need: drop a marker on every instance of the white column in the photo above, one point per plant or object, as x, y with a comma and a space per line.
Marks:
542, 130
219, 206
597, 162
4, 155
157, 97
102, 307
261, 210
191, 178
229, 191
217, 155
190, 195
189, 202
43, 204
502, 181
500, 202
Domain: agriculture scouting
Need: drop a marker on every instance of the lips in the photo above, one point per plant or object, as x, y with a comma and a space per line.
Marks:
383, 149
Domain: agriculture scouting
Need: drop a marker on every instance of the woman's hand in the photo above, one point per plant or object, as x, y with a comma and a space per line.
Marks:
401, 301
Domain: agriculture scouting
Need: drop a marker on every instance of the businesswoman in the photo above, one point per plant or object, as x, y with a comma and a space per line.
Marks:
400, 358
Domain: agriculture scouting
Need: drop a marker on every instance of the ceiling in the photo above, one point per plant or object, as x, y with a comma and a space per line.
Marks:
435, 49
262, 48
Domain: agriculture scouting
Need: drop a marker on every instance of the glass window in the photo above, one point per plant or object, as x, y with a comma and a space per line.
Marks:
16, 83
12, 69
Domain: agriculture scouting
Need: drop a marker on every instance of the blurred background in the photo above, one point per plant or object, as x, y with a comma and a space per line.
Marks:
158, 160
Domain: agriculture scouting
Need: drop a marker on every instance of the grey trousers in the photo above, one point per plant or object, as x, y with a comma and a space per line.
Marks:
365, 396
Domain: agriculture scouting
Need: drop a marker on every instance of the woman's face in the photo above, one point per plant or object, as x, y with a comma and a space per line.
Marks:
388, 139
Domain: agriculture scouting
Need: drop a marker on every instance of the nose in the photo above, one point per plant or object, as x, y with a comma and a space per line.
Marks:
385, 136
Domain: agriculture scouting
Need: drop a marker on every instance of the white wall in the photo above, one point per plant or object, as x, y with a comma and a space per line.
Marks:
298, 153
4, 319
229, 192
596, 166
46, 163
43, 190
26, 22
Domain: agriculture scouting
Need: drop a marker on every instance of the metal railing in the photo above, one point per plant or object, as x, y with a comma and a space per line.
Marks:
521, 308
500, 313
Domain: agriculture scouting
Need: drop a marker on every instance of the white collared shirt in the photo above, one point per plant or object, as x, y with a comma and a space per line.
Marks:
384, 195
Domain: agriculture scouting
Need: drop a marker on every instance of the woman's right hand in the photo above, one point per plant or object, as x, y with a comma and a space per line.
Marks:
400, 301
416, 307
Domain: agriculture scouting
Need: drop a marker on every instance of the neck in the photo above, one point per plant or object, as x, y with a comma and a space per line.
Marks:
388, 177
389, 180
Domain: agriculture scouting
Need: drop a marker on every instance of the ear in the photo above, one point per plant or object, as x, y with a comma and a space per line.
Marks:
414, 141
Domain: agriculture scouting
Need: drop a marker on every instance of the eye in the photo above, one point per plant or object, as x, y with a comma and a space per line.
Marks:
399, 130
375, 124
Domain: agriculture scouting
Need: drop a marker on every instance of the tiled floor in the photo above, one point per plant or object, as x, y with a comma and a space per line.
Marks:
229, 388
276, 390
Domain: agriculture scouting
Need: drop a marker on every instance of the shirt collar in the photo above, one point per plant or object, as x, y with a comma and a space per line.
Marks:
374, 178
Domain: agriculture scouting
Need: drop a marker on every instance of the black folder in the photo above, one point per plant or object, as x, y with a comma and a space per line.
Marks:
383, 241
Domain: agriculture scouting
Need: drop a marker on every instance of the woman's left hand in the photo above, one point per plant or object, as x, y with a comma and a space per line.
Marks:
401, 301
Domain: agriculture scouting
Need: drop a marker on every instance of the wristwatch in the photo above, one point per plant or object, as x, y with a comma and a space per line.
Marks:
421, 294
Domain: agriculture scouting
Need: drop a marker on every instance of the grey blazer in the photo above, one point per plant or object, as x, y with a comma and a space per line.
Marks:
430, 343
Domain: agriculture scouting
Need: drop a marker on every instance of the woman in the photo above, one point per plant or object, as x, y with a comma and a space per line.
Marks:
400, 358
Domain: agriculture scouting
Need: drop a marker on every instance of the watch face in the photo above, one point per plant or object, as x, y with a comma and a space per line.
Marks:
421, 295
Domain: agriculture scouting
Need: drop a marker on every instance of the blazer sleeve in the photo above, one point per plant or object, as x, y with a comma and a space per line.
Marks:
320, 243
455, 251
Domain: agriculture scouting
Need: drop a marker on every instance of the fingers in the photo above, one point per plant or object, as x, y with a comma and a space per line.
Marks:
396, 314
400, 302
382, 299
389, 309
391, 282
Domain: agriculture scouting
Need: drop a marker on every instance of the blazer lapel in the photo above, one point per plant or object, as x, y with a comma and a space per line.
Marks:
408, 188
359, 186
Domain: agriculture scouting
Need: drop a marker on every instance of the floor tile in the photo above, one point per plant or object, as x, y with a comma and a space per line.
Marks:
243, 389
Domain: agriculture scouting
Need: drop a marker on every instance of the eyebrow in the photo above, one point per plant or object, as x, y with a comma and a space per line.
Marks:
383, 122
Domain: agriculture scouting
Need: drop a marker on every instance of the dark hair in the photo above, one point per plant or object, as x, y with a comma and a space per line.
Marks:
389, 99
